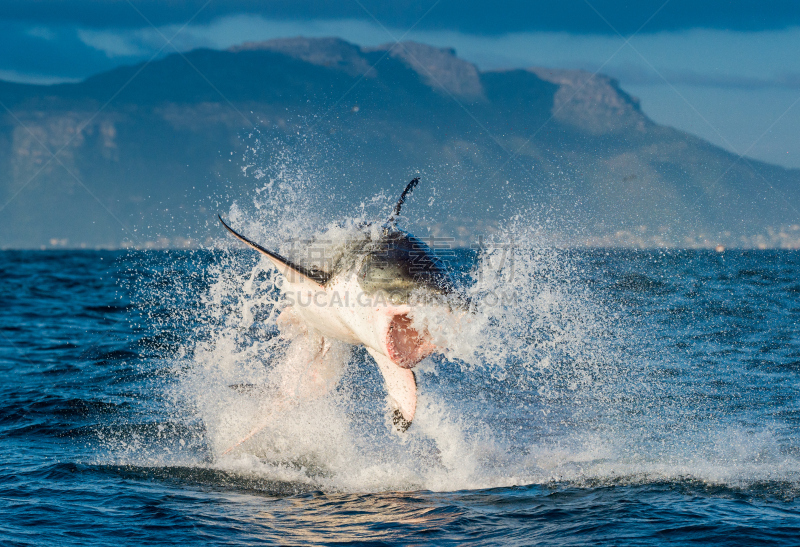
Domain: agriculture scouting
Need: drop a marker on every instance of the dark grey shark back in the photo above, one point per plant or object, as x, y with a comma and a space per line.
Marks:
399, 264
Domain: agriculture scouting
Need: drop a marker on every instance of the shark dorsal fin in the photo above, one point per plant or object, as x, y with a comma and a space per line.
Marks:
409, 188
288, 268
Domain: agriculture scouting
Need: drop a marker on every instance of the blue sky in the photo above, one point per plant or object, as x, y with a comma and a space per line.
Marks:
726, 70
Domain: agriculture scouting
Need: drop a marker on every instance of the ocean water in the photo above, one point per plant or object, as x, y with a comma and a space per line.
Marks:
613, 397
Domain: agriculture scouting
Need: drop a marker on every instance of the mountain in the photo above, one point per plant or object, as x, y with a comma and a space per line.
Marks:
146, 155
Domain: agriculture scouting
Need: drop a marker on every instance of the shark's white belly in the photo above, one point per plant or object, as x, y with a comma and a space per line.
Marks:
344, 312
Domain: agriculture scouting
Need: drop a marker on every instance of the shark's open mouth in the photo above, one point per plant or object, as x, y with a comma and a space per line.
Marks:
405, 346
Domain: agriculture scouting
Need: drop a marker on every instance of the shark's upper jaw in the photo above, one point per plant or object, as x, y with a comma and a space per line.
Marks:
405, 346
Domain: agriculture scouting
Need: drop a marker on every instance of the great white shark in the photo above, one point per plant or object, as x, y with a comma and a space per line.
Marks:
365, 297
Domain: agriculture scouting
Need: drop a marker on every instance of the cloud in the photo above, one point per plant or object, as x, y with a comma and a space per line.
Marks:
114, 43
41, 32
39, 54
34, 78
639, 75
468, 16
697, 57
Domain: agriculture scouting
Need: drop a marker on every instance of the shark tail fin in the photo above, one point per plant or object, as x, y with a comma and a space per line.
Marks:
285, 266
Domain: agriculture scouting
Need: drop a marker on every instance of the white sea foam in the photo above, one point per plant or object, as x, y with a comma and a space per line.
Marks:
535, 384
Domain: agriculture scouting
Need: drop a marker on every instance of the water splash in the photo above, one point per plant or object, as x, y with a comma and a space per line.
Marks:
544, 379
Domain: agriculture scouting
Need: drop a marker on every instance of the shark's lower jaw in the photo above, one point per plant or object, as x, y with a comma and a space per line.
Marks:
399, 421
405, 346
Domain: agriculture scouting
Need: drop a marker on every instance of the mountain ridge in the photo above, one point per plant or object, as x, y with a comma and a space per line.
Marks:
562, 140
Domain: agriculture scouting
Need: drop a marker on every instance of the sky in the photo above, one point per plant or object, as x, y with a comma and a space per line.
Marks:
725, 70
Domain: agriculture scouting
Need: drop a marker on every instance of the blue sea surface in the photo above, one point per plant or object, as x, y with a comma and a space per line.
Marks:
654, 400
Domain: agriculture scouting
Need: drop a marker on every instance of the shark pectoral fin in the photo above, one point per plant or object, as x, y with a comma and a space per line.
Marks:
402, 389
293, 272
311, 367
